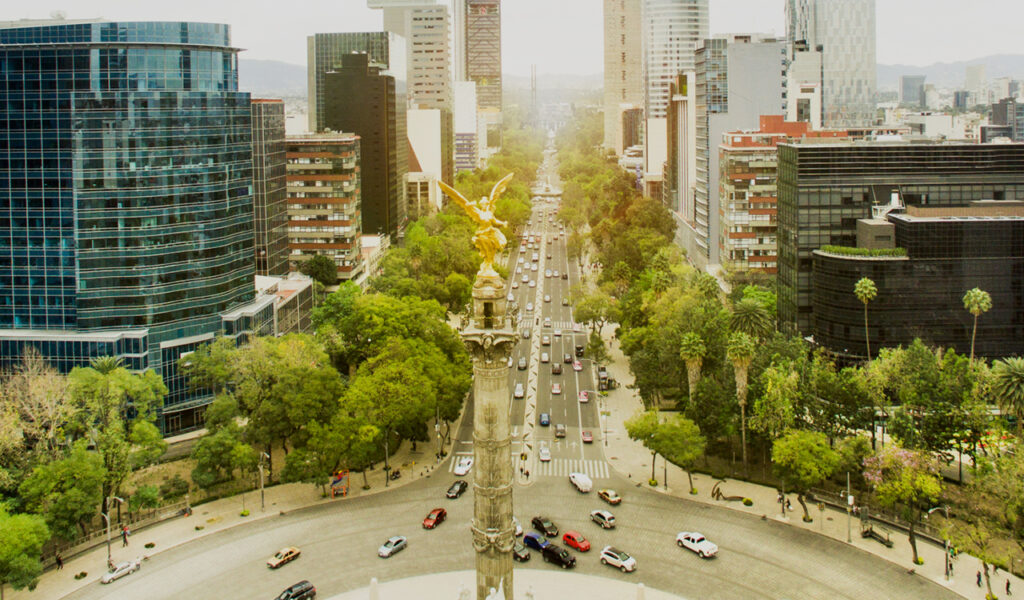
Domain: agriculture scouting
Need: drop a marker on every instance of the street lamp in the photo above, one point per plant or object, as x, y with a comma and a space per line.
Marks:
945, 509
263, 500
106, 518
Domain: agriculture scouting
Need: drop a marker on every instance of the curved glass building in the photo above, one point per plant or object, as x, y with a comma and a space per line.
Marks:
126, 210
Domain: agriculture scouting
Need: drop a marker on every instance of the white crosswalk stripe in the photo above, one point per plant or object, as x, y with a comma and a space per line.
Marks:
561, 467
565, 326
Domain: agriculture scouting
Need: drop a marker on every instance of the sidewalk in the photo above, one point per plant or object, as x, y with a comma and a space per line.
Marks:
632, 460
220, 515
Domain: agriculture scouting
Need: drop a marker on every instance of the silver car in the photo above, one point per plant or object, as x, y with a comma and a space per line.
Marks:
120, 570
393, 545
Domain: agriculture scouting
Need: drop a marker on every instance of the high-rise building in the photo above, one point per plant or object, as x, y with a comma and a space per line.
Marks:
268, 188
671, 31
824, 189
623, 67
126, 219
324, 200
324, 51
843, 31
680, 164
738, 78
483, 50
911, 92
363, 99
1009, 112
977, 84
467, 155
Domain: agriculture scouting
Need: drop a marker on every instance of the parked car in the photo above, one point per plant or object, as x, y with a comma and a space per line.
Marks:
520, 553
120, 570
545, 419
457, 489
582, 482
603, 518
587, 437
617, 558
545, 526
544, 454
697, 543
464, 465
519, 393
575, 539
535, 540
610, 496
302, 590
558, 555
435, 518
392, 546
284, 555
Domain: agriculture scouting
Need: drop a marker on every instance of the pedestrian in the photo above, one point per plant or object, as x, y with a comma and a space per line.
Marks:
124, 536
60, 564
789, 506
527, 473
979, 578
778, 498
1008, 587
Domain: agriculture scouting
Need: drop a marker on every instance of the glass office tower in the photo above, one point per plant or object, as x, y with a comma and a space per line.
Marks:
126, 216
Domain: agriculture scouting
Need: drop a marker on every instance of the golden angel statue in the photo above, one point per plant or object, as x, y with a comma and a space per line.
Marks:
488, 239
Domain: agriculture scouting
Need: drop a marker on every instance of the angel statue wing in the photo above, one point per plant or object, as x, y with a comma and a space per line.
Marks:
497, 190
470, 207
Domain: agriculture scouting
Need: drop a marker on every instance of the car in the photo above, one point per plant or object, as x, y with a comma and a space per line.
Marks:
511, 297
533, 283
565, 301
547, 321
435, 518
587, 437
545, 419
577, 365
547, 298
556, 388
603, 518
519, 270
582, 482
558, 555
545, 340
555, 274
522, 250
579, 347
120, 570
536, 257
544, 357
522, 260
520, 553
518, 526
464, 465
529, 307
547, 273
519, 393
522, 363
544, 454
533, 268
457, 489
392, 546
575, 539
515, 285
559, 430
557, 333
549, 256
535, 540
556, 368
614, 557
610, 496
284, 555
545, 526
697, 543
526, 278
565, 276
567, 358
302, 590
583, 397
526, 333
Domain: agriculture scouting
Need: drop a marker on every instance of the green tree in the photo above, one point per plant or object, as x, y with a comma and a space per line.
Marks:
66, 492
741, 351
692, 351
1008, 388
680, 442
346, 442
906, 480
804, 459
321, 268
976, 301
146, 496
147, 444
773, 412
597, 350
752, 318
866, 291
40, 407
595, 309
644, 427
218, 455
21, 543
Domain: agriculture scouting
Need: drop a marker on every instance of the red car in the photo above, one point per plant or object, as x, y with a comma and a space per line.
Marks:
556, 388
575, 539
588, 438
577, 365
435, 518
583, 396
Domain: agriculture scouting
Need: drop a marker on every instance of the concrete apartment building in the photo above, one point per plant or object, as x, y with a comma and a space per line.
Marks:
268, 188
324, 200
623, 67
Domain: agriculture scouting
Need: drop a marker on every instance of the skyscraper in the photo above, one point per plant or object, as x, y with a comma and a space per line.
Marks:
844, 32
363, 99
911, 92
268, 188
483, 50
126, 218
465, 125
671, 31
623, 66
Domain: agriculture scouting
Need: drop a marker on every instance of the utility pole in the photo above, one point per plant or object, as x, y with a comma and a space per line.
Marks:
106, 518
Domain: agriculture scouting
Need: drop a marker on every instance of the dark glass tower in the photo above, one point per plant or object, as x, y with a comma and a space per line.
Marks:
269, 196
126, 210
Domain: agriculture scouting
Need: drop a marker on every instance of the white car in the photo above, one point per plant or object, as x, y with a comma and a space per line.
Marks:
464, 465
526, 278
519, 392
511, 297
696, 542
120, 570
544, 357
547, 298
518, 525
544, 455
533, 283
581, 481
529, 307
393, 545
617, 558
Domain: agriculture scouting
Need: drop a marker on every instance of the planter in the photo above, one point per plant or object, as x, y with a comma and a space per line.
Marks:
244, 513
652, 482
748, 502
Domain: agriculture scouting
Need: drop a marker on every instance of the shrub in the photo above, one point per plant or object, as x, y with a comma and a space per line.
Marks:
850, 251
652, 482
150, 545
748, 502
81, 575
244, 513
693, 491
200, 527
173, 488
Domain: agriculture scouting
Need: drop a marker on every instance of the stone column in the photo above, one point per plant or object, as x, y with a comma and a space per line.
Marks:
490, 337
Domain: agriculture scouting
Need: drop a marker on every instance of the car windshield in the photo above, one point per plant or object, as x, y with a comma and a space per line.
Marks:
697, 538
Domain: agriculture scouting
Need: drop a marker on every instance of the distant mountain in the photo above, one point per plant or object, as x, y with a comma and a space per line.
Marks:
271, 78
952, 75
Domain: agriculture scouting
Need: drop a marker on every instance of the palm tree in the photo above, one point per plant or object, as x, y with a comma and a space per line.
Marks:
105, 364
752, 318
976, 301
741, 351
692, 350
866, 292
1008, 385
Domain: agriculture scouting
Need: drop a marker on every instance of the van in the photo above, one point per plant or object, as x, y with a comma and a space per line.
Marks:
581, 481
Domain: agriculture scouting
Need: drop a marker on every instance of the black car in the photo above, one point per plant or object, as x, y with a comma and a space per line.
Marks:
520, 553
299, 591
565, 275
579, 350
553, 553
545, 525
457, 489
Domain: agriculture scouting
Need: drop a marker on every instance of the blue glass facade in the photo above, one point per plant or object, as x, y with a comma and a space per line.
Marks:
125, 190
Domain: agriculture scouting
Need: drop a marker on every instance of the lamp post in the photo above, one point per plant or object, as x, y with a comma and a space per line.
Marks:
849, 508
106, 519
945, 509
263, 501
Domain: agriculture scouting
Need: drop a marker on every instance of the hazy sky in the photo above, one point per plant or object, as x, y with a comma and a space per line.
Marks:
563, 36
